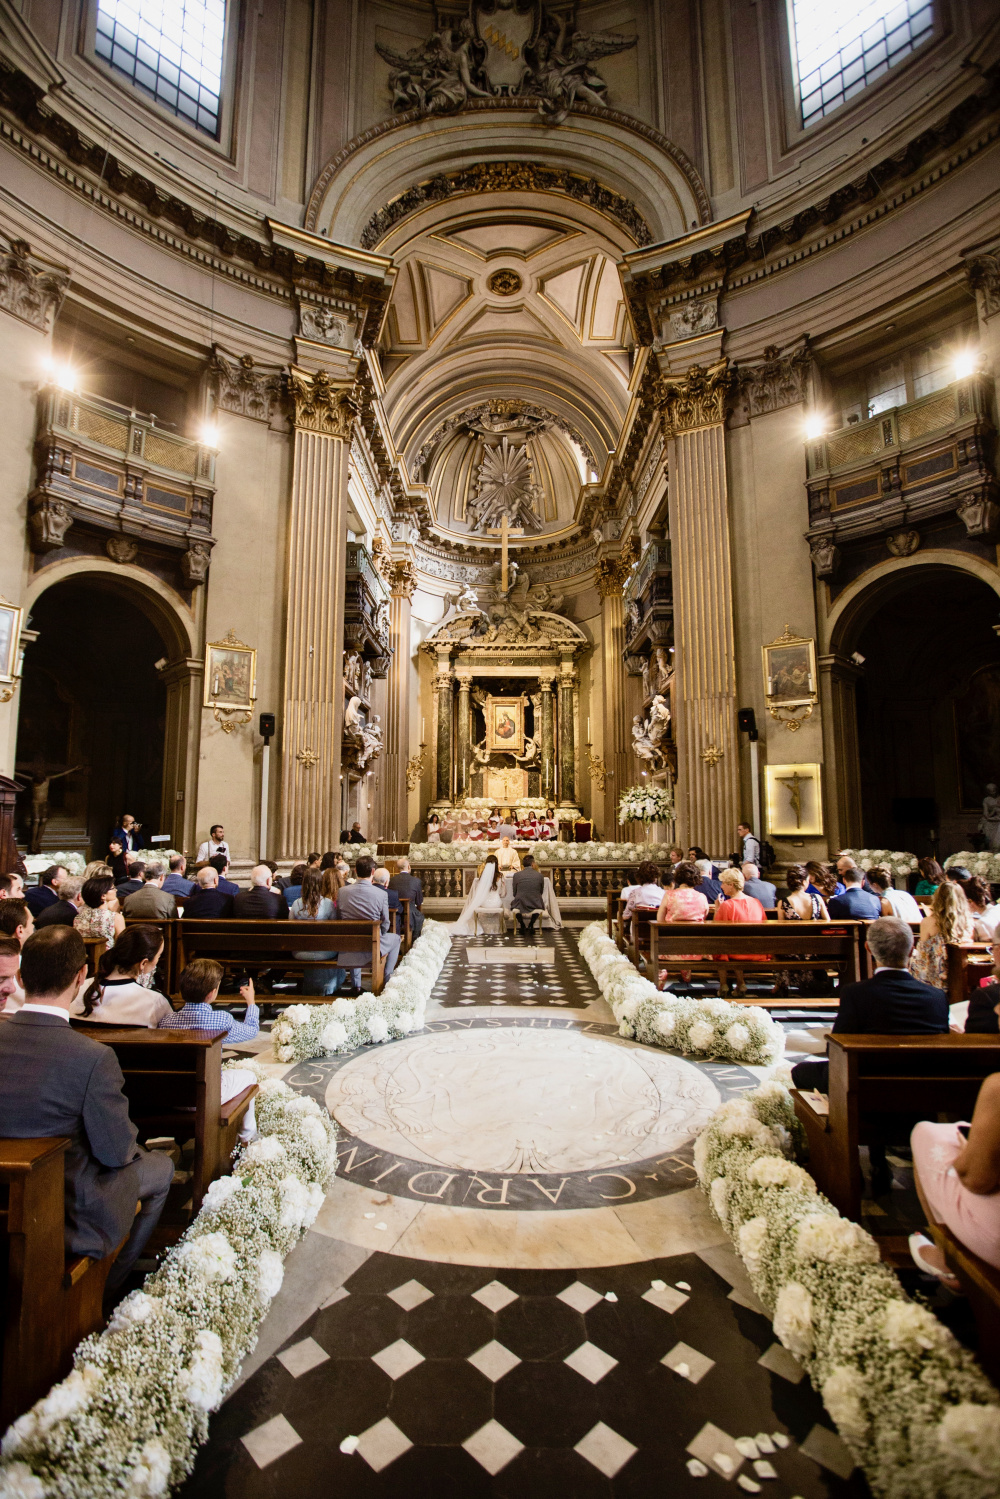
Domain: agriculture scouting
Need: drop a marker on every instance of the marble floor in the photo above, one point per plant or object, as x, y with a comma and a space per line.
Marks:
514, 1285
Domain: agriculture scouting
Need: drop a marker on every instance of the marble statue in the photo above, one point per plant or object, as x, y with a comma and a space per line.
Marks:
648, 734
989, 823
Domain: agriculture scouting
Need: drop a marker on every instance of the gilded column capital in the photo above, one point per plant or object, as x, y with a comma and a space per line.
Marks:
698, 399
243, 387
401, 576
779, 380
29, 291
609, 577
321, 405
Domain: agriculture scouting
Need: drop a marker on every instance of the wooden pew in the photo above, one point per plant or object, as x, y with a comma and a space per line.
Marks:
405, 930
270, 944
968, 963
887, 1074
173, 1083
981, 1284
615, 906
773, 945
50, 1301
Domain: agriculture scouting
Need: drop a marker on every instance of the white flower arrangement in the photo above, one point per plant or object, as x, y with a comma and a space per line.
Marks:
646, 804
72, 861
543, 852
304, 1031
130, 1417
898, 862
986, 864
704, 1028
909, 1401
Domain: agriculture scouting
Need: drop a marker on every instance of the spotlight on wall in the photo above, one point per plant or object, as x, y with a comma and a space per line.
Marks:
964, 364
815, 426
61, 374
209, 434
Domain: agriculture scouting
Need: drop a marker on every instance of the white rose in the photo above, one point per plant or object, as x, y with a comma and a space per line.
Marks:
774, 1171
209, 1255
262, 1152
793, 1318
752, 1243
220, 1191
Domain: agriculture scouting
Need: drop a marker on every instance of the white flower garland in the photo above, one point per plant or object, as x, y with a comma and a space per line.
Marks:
542, 852
304, 1031
986, 864
706, 1027
909, 1401
131, 1416
900, 862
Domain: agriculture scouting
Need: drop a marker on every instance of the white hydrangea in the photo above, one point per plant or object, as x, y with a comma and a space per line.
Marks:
263, 1152
18, 1482
626, 1030
629, 1008
151, 1475
908, 1328
793, 1318
377, 1028
834, 1241
68, 1397
333, 1036
775, 1171
201, 1381
269, 1087
270, 1275
752, 1243
665, 1023
209, 1255
220, 1191
344, 1010
702, 1146
406, 1021
737, 1036
843, 1393
138, 1307
719, 1196
315, 1195
294, 1202
298, 1014
313, 1133
701, 1035
301, 1103
969, 1435
719, 1009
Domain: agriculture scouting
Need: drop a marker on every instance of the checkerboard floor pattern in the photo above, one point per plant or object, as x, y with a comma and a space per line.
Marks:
467, 1381
565, 984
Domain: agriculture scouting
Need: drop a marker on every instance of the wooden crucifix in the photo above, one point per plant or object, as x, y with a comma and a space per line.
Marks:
504, 531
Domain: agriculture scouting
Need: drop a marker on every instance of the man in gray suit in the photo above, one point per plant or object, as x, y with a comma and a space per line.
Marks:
55, 1081
365, 901
529, 895
409, 887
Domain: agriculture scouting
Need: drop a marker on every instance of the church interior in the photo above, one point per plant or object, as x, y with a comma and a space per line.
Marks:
493, 489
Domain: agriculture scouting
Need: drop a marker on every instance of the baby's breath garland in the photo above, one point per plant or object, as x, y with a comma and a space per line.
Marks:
304, 1031
704, 1027
131, 1416
909, 1401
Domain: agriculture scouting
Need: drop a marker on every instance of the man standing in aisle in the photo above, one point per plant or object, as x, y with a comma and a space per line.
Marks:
214, 844
749, 846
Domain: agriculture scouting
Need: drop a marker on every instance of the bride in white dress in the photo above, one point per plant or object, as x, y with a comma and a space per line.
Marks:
484, 904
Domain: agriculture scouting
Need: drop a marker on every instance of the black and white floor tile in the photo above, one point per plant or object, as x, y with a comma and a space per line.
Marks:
539, 970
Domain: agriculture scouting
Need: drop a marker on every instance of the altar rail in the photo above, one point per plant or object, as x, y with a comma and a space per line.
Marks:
568, 880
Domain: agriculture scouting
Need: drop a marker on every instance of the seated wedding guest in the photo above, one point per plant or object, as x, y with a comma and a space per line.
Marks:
99, 916
278, 881
985, 915
799, 904
175, 882
682, 901
55, 1081
312, 905
984, 1004
260, 902
329, 860
844, 863
11, 887
708, 885
382, 878
856, 904
151, 903
357, 836
64, 911
220, 863
958, 1181
199, 986
695, 853
931, 876
948, 920
214, 845
313, 861
334, 881
648, 893
133, 883
11, 993
363, 901
822, 882
735, 905
118, 861
894, 902
45, 893
406, 885
293, 888
97, 869
16, 920
120, 992
958, 874
761, 890
208, 903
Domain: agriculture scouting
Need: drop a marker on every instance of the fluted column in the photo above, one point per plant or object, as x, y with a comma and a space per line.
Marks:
443, 704
462, 773
567, 737
314, 642
611, 578
548, 749
402, 579
705, 655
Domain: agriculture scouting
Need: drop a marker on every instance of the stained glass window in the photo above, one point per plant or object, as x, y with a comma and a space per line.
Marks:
171, 50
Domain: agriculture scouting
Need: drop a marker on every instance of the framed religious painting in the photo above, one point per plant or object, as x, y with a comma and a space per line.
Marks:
10, 638
230, 675
794, 797
789, 670
505, 724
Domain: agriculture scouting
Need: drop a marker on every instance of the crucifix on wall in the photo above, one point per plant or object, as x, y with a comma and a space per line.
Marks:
505, 530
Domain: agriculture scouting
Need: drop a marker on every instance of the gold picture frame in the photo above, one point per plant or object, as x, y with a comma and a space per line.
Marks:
505, 725
11, 623
230, 680
789, 670
794, 800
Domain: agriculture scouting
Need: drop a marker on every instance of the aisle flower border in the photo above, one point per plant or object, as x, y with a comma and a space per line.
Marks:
912, 1404
704, 1028
304, 1031
130, 1417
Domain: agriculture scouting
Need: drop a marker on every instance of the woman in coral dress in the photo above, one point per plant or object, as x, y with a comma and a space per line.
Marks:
733, 905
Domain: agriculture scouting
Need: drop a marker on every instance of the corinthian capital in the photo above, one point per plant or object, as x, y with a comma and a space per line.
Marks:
241, 386
983, 271
401, 577
698, 399
30, 292
610, 577
322, 406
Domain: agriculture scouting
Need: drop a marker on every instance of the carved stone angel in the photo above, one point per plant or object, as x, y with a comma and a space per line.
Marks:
439, 76
561, 71
642, 745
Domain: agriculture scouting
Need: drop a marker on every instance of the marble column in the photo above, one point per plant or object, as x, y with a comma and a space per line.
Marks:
314, 641
567, 737
402, 579
838, 680
695, 408
462, 773
548, 749
444, 698
621, 768
183, 679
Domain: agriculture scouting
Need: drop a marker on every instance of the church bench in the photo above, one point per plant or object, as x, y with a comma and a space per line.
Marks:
968, 964
255, 945
50, 1300
981, 1284
405, 929
871, 1075
766, 947
173, 1083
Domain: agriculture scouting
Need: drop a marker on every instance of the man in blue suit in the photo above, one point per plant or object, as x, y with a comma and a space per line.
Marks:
856, 904
129, 834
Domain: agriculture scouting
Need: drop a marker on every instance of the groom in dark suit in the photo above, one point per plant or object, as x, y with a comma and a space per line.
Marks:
529, 895
55, 1081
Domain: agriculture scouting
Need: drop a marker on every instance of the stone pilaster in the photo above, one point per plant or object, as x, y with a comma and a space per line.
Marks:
617, 737
548, 748
462, 759
183, 679
567, 736
401, 577
694, 412
444, 698
314, 642
838, 680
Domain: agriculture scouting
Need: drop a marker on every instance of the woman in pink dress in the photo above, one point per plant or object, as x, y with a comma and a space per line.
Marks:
681, 902
733, 905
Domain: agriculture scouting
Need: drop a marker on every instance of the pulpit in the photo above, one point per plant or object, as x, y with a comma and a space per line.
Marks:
10, 860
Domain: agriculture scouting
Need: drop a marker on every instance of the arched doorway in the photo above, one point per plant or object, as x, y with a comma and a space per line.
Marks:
92, 696
927, 704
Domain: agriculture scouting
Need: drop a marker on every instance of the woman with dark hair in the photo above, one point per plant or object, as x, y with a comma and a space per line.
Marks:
117, 995
801, 903
931, 876
118, 861
99, 915
484, 903
328, 860
314, 905
822, 882
894, 902
682, 901
985, 915
648, 892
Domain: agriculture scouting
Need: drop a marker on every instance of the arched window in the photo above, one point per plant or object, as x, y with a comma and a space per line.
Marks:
170, 49
840, 46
